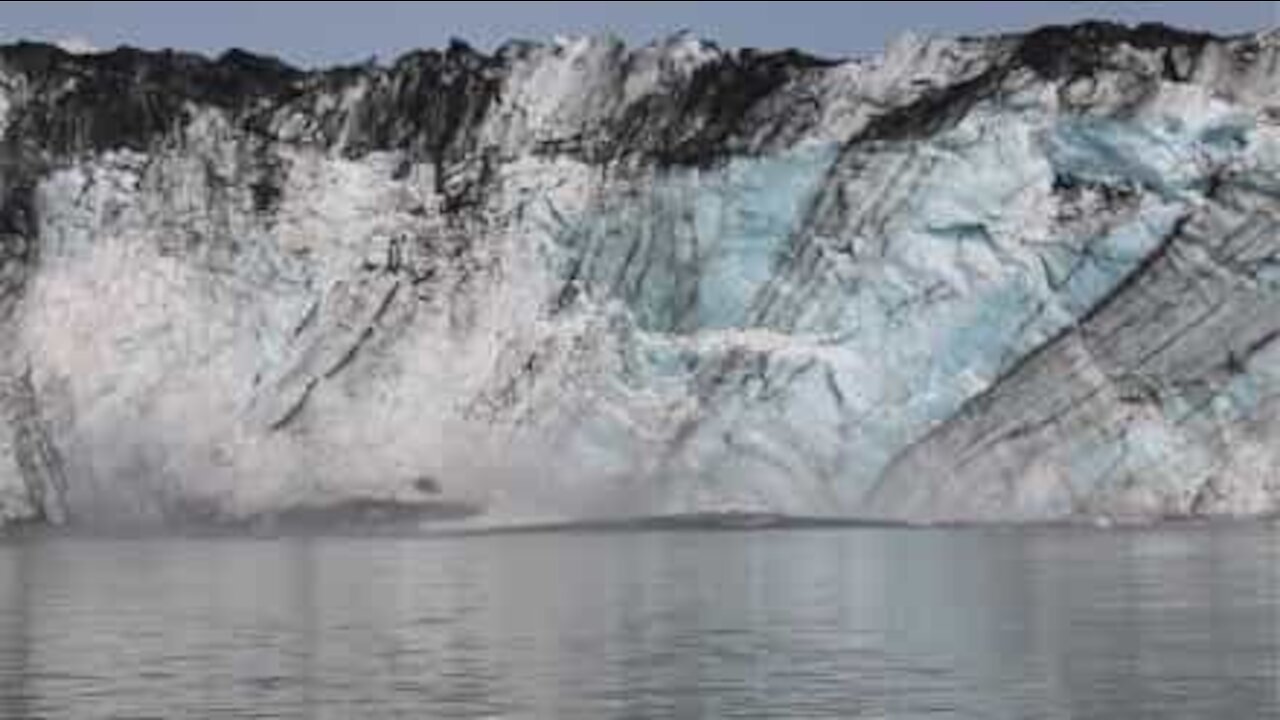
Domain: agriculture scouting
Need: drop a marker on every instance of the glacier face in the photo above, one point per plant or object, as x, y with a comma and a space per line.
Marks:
1018, 278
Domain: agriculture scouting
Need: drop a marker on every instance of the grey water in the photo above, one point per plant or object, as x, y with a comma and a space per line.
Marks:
1175, 622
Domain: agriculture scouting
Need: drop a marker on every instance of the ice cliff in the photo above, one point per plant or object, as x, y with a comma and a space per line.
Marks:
1016, 278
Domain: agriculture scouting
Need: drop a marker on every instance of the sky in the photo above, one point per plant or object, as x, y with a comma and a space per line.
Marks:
322, 33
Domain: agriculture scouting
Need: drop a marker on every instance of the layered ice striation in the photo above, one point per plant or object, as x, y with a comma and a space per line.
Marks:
1018, 278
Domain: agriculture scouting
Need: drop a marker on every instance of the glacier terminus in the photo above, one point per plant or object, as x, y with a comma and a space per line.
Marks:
1017, 278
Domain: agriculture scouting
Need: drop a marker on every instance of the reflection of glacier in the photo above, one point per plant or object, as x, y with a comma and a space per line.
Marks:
1025, 277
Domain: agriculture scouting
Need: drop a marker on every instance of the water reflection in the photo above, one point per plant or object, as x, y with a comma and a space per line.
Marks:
816, 623
15, 643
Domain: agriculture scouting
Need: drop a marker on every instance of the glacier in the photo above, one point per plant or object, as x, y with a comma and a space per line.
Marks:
1018, 278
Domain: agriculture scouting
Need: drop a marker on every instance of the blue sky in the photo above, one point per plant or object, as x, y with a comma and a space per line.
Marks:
318, 33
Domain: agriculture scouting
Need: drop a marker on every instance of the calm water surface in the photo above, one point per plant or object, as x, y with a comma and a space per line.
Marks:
820, 623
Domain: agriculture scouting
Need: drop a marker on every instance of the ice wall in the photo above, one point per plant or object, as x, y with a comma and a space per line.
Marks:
1017, 278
